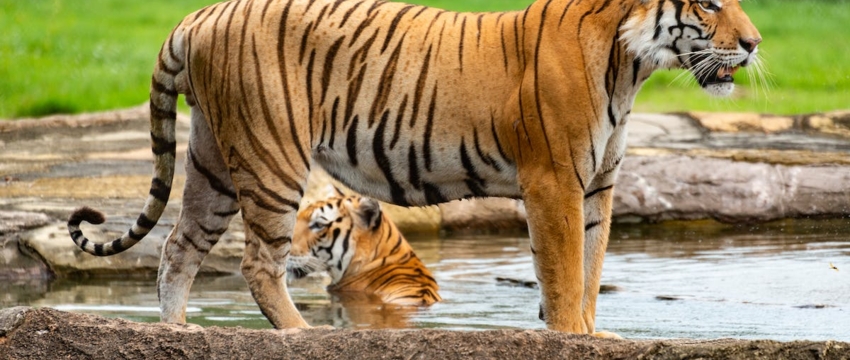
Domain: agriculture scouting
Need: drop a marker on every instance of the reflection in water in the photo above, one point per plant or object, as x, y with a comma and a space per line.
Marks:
767, 281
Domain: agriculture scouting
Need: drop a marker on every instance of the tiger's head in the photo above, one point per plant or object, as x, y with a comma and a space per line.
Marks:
328, 232
710, 38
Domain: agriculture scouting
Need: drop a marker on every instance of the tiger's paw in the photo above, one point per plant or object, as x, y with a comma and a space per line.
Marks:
607, 335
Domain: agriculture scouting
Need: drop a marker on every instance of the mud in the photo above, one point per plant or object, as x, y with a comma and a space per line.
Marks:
27, 333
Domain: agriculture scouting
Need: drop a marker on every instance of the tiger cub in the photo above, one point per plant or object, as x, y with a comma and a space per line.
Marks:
352, 239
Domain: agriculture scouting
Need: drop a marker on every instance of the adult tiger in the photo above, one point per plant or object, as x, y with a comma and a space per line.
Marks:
361, 249
416, 106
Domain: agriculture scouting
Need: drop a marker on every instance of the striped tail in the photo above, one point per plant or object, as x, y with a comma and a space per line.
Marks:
163, 105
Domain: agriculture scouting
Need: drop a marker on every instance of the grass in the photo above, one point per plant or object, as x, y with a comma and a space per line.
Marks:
69, 56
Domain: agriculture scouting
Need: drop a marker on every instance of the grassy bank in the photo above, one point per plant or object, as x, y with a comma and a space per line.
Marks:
68, 56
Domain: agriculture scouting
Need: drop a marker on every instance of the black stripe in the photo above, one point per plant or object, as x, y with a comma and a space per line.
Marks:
98, 250
349, 12
385, 84
432, 194
76, 234
504, 48
484, 157
328, 66
460, 46
159, 190
415, 180
393, 25
334, 114
353, 94
599, 190
135, 236
351, 141
578, 176
117, 247
636, 70
165, 114
145, 222
591, 225
161, 88
398, 122
420, 86
426, 143
496, 139
396, 191
161, 145
304, 38
214, 182
537, 82
209, 231
226, 213
473, 181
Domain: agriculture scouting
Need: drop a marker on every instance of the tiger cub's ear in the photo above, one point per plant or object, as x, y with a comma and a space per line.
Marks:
368, 214
332, 191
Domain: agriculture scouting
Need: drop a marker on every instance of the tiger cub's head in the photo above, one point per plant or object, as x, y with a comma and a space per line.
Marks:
328, 232
711, 38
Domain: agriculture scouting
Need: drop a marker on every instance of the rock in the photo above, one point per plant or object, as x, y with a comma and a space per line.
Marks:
16, 221
676, 187
834, 123
15, 265
45, 333
738, 122
493, 215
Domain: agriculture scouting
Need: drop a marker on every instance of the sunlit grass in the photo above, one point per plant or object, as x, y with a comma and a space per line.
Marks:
68, 56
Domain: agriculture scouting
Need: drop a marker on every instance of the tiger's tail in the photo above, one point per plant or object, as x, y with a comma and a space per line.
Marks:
163, 116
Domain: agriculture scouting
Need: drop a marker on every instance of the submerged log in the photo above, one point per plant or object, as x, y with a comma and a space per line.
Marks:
27, 333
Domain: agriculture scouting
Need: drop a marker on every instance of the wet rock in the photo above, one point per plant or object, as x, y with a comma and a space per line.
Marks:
47, 333
676, 187
17, 221
667, 298
494, 215
14, 264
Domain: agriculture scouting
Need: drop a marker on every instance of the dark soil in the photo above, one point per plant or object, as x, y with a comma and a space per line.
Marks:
27, 333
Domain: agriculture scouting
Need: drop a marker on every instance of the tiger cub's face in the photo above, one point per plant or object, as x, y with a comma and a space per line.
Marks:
711, 38
327, 233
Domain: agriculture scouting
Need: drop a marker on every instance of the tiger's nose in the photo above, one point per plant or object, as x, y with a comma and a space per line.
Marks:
749, 44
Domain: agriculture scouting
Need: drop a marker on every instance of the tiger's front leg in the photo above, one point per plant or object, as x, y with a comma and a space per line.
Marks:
556, 226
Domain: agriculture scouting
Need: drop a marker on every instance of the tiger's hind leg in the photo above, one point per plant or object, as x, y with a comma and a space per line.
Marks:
269, 199
209, 204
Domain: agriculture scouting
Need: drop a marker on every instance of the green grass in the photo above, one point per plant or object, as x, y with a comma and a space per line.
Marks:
69, 56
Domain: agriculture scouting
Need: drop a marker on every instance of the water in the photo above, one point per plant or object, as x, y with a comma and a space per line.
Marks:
676, 280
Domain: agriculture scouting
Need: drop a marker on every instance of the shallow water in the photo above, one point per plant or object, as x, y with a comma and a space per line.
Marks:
676, 280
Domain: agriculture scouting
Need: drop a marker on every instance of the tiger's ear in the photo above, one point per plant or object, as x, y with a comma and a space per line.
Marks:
332, 191
368, 214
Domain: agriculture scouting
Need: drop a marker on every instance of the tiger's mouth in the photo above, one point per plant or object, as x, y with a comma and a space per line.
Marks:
723, 75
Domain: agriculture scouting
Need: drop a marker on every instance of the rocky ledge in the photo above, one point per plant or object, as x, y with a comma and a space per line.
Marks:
27, 333
728, 167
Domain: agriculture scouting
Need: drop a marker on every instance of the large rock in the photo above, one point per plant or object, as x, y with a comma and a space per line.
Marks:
45, 333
